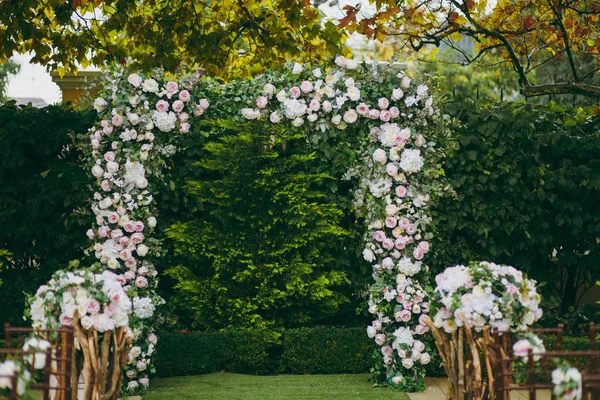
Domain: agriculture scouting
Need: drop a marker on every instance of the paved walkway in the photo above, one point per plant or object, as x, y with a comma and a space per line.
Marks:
436, 389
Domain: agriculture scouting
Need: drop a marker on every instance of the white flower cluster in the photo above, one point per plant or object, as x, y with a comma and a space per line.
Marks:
567, 383
529, 341
486, 294
10, 369
84, 293
391, 193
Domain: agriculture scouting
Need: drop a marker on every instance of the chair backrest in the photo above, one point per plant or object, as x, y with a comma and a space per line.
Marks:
546, 333
61, 358
20, 355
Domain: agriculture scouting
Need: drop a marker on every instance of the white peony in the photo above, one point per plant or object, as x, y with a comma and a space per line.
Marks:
150, 85
143, 307
411, 161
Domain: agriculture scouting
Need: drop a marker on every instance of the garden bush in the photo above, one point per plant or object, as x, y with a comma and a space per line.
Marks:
527, 183
41, 184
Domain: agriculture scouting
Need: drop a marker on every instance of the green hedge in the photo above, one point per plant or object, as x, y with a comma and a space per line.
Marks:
328, 350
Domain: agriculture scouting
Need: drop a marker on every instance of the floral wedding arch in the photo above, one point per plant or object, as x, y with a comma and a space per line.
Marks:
392, 126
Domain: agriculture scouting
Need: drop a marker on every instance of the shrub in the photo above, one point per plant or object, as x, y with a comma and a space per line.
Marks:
40, 185
328, 350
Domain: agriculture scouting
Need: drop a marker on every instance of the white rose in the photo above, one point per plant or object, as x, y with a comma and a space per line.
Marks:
134, 352
281, 95
425, 358
368, 255
351, 64
317, 72
135, 80
420, 141
408, 363
150, 85
391, 169
405, 82
380, 156
336, 119
112, 167
349, 82
97, 171
312, 117
353, 93
152, 222
100, 104
87, 322
397, 94
133, 118
391, 210
297, 68
268, 89
350, 116
142, 250
298, 122
275, 118
371, 332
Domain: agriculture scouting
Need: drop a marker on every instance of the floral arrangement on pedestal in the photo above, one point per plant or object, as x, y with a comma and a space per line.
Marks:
469, 302
393, 126
98, 309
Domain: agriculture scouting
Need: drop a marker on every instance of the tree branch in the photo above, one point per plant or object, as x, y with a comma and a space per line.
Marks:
561, 88
559, 16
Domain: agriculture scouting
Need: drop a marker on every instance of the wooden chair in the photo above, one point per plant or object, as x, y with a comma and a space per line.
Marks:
61, 359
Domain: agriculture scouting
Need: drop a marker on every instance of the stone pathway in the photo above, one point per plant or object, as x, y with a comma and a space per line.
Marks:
436, 389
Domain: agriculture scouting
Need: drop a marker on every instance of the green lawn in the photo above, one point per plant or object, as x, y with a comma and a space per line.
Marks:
281, 387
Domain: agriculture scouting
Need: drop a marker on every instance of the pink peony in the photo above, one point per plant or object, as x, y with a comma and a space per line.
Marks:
124, 241
314, 105
388, 244
387, 351
131, 373
172, 87
65, 321
374, 114
385, 116
113, 217
418, 254
411, 229
92, 306
129, 226
142, 271
421, 329
103, 231
183, 117
261, 102
139, 226
391, 222
295, 92
400, 244
110, 310
178, 106
137, 237
306, 87
387, 262
109, 156
125, 254
394, 112
521, 348
184, 95
141, 365
131, 263
404, 223
106, 186
162, 105
423, 246
362, 109
199, 111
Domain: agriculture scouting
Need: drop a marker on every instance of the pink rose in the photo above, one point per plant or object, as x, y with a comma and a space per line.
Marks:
131, 373
340, 61
129, 226
422, 319
425, 307
423, 246
404, 223
162, 105
107, 130
379, 235
306, 87
152, 338
411, 229
387, 262
106, 186
385, 115
104, 123
400, 244
129, 275
380, 339
103, 231
391, 222
116, 233
65, 321
377, 324
314, 105
178, 106
145, 382
90, 234
199, 111
137, 237
387, 351
362, 109
383, 103
92, 306
124, 241
203, 103
374, 114
113, 217
185, 128
125, 254
295, 92
141, 282
109, 156
142, 271
172, 87
418, 254
183, 117
521, 348
131, 263
184, 95
139, 226
117, 120
115, 297
388, 244
141, 366
261, 102
394, 112
110, 310
401, 191
95, 144
421, 329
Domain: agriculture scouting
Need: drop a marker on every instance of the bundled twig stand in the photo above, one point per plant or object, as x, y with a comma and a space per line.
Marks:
104, 358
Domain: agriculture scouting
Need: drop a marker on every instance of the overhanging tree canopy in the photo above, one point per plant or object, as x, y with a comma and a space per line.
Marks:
528, 34
225, 37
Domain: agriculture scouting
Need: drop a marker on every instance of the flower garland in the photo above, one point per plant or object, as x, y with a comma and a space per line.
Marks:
139, 118
398, 170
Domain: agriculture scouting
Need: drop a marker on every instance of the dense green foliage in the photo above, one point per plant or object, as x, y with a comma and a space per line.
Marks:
277, 387
261, 252
328, 350
41, 184
7, 68
527, 182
